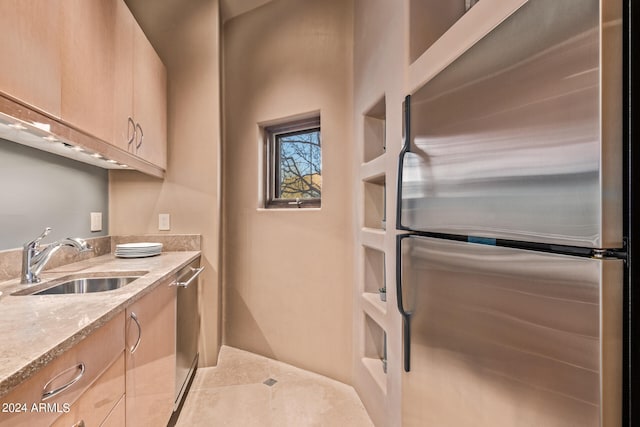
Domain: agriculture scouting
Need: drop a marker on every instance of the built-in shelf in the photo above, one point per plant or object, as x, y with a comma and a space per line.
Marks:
374, 367
372, 238
374, 307
374, 202
374, 130
373, 169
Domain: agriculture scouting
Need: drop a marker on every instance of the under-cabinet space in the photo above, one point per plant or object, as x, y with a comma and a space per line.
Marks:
374, 202
374, 130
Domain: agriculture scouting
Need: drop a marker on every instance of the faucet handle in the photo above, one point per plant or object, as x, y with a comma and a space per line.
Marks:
37, 240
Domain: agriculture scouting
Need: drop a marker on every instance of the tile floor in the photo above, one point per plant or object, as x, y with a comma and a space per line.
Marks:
234, 393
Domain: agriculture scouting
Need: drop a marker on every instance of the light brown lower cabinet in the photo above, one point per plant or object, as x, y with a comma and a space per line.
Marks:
124, 372
151, 358
92, 367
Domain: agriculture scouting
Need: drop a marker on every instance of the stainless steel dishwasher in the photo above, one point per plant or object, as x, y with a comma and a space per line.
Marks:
187, 328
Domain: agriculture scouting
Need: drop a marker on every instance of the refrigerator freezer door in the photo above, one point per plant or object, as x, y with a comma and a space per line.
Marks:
521, 137
508, 337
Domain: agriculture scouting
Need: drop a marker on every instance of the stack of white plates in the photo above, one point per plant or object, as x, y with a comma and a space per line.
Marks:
138, 250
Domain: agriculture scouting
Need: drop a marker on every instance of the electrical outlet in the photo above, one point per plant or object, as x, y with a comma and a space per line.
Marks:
96, 221
164, 222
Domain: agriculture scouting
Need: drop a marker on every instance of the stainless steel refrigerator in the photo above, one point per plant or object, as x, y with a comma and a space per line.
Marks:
511, 274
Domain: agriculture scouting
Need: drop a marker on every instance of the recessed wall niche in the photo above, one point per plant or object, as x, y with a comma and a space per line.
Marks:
375, 351
373, 270
374, 130
374, 202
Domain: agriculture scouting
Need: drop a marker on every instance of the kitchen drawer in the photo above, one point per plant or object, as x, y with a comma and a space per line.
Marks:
94, 405
96, 352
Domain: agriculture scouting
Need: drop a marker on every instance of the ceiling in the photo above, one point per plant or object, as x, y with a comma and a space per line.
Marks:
157, 15
160, 18
232, 8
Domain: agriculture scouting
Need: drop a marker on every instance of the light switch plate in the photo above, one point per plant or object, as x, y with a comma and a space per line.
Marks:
96, 221
164, 222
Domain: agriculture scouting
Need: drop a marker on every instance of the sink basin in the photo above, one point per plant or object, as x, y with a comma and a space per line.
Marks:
87, 285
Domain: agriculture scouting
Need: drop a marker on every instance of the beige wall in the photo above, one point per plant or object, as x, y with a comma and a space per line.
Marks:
187, 38
380, 67
288, 274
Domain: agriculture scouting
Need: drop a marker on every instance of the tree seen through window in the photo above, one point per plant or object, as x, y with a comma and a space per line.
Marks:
299, 165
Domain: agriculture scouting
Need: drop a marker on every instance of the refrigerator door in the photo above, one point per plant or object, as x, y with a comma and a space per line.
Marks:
509, 337
521, 137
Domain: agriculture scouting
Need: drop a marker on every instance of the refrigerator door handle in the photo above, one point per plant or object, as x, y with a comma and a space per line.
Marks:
406, 316
405, 149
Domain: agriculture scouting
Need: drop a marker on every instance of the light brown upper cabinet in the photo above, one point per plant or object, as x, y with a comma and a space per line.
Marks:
88, 50
30, 52
140, 109
149, 101
124, 128
88, 65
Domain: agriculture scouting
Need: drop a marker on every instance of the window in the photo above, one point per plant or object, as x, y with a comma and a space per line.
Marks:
293, 164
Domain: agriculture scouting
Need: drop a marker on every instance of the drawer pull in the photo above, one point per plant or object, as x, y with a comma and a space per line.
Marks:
46, 395
79, 424
135, 346
196, 272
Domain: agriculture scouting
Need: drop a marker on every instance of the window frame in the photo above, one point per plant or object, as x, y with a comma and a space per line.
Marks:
272, 163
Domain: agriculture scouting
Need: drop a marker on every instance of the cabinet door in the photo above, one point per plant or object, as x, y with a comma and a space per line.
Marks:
30, 69
149, 101
88, 46
151, 358
123, 75
116, 417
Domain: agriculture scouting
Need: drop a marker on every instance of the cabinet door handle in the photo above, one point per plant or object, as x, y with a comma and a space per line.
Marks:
131, 137
48, 394
79, 424
139, 144
135, 346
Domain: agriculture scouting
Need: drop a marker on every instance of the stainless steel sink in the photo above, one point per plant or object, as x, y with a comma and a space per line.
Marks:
87, 285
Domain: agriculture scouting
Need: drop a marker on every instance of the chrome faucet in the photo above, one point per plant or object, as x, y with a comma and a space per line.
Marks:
34, 259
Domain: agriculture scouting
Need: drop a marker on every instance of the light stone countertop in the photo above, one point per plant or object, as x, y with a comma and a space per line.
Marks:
36, 329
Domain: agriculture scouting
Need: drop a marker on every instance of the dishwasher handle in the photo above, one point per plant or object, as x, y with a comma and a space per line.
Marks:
185, 284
